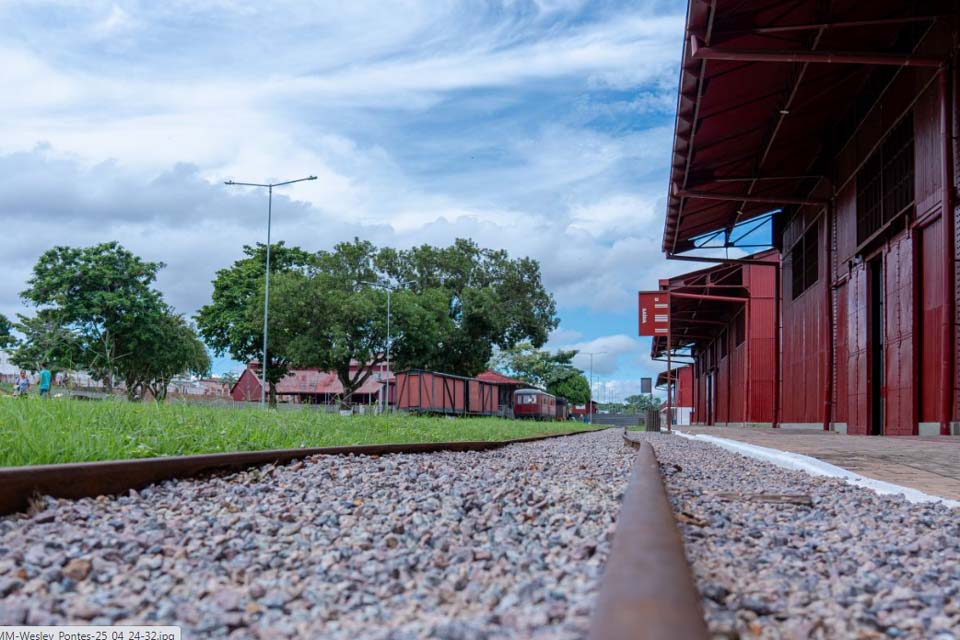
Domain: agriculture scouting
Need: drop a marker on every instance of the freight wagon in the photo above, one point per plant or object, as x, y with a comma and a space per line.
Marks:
422, 391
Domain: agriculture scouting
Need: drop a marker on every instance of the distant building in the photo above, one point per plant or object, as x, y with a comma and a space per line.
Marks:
309, 386
506, 386
682, 400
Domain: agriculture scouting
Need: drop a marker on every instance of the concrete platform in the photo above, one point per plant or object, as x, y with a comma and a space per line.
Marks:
930, 464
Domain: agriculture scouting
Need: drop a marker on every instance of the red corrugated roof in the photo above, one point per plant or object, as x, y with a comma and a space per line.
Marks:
748, 126
498, 378
314, 381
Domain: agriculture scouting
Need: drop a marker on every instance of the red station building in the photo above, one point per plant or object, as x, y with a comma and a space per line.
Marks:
836, 121
721, 322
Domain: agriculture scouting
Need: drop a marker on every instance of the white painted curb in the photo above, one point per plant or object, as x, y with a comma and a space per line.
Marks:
815, 467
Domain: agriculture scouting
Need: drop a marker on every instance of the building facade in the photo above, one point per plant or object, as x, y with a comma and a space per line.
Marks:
836, 122
721, 322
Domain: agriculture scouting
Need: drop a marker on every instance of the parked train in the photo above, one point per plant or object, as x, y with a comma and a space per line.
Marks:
421, 391
534, 404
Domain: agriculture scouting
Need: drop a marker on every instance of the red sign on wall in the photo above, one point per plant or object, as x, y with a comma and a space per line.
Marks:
654, 313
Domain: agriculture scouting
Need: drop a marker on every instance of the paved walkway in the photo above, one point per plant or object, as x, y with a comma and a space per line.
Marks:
931, 464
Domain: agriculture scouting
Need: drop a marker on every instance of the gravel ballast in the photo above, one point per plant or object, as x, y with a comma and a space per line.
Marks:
500, 544
851, 564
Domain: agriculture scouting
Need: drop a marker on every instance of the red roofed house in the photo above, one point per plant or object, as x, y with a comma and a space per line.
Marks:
506, 386
307, 386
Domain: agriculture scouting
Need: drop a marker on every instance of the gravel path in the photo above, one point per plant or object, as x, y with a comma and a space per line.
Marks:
501, 544
851, 565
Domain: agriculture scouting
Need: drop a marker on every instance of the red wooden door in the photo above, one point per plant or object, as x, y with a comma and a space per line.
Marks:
898, 391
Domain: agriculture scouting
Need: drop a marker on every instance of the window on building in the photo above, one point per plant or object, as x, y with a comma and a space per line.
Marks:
804, 263
740, 328
885, 182
724, 342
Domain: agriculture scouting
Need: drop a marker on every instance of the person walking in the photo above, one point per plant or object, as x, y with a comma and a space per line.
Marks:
22, 385
45, 377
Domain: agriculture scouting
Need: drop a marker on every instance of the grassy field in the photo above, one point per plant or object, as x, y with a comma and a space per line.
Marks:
35, 431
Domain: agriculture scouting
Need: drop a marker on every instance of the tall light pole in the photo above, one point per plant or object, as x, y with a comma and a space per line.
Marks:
266, 287
590, 400
389, 289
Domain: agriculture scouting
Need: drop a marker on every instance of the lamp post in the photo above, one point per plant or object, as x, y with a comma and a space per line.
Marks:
389, 289
266, 287
590, 399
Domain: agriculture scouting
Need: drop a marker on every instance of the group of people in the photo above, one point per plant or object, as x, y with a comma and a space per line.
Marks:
21, 387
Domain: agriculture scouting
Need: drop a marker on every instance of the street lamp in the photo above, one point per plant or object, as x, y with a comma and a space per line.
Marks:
590, 400
266, 288
389, 289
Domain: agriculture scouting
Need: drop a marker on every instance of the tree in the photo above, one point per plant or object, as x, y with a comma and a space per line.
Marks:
6, 333
167, 347
491, 299
640, 403
575, 388
92, 304
330, 317
228, 323
45, 340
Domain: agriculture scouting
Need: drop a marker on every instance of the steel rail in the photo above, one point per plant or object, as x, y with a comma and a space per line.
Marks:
647, 591
90, 479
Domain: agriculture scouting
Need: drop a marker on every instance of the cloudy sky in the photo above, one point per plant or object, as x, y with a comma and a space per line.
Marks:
542, 127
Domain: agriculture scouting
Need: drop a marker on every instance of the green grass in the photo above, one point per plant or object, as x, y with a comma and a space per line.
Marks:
35, 431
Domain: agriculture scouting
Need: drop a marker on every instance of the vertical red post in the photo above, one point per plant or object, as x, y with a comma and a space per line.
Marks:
776, 346
669, 377
828, 301
669, 364
746, 361
949, 252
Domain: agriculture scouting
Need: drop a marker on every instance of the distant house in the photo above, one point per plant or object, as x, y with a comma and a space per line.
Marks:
202, 387
309, 386
583, 410
506, 386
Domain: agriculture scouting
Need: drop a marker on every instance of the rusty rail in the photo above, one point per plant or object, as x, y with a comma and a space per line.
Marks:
647, 592
89, 479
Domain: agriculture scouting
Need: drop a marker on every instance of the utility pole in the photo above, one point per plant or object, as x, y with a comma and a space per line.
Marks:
266, 286
389, 289
590, 400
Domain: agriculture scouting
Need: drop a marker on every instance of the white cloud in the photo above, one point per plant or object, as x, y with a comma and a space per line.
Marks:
534, 126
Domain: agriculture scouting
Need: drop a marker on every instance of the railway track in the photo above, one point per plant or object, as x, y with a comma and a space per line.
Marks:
646, 590
112, 477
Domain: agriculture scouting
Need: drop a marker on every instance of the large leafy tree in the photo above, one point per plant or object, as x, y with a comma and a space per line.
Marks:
230, 324
102, 295
168, 346
641, 402
492, 300
331, 316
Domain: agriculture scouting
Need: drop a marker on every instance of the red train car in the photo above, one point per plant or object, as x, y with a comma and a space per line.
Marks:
534, 404
433, 392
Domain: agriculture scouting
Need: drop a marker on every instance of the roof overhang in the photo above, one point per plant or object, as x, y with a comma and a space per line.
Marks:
768, 89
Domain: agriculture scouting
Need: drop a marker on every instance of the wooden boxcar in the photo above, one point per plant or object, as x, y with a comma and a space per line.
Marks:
563, 409
422, 391
533, 404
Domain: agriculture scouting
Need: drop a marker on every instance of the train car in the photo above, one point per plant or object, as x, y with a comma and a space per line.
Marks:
563, 409
533, 404
422, 391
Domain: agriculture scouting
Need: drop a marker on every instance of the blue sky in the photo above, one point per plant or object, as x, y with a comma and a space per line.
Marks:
541, 127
